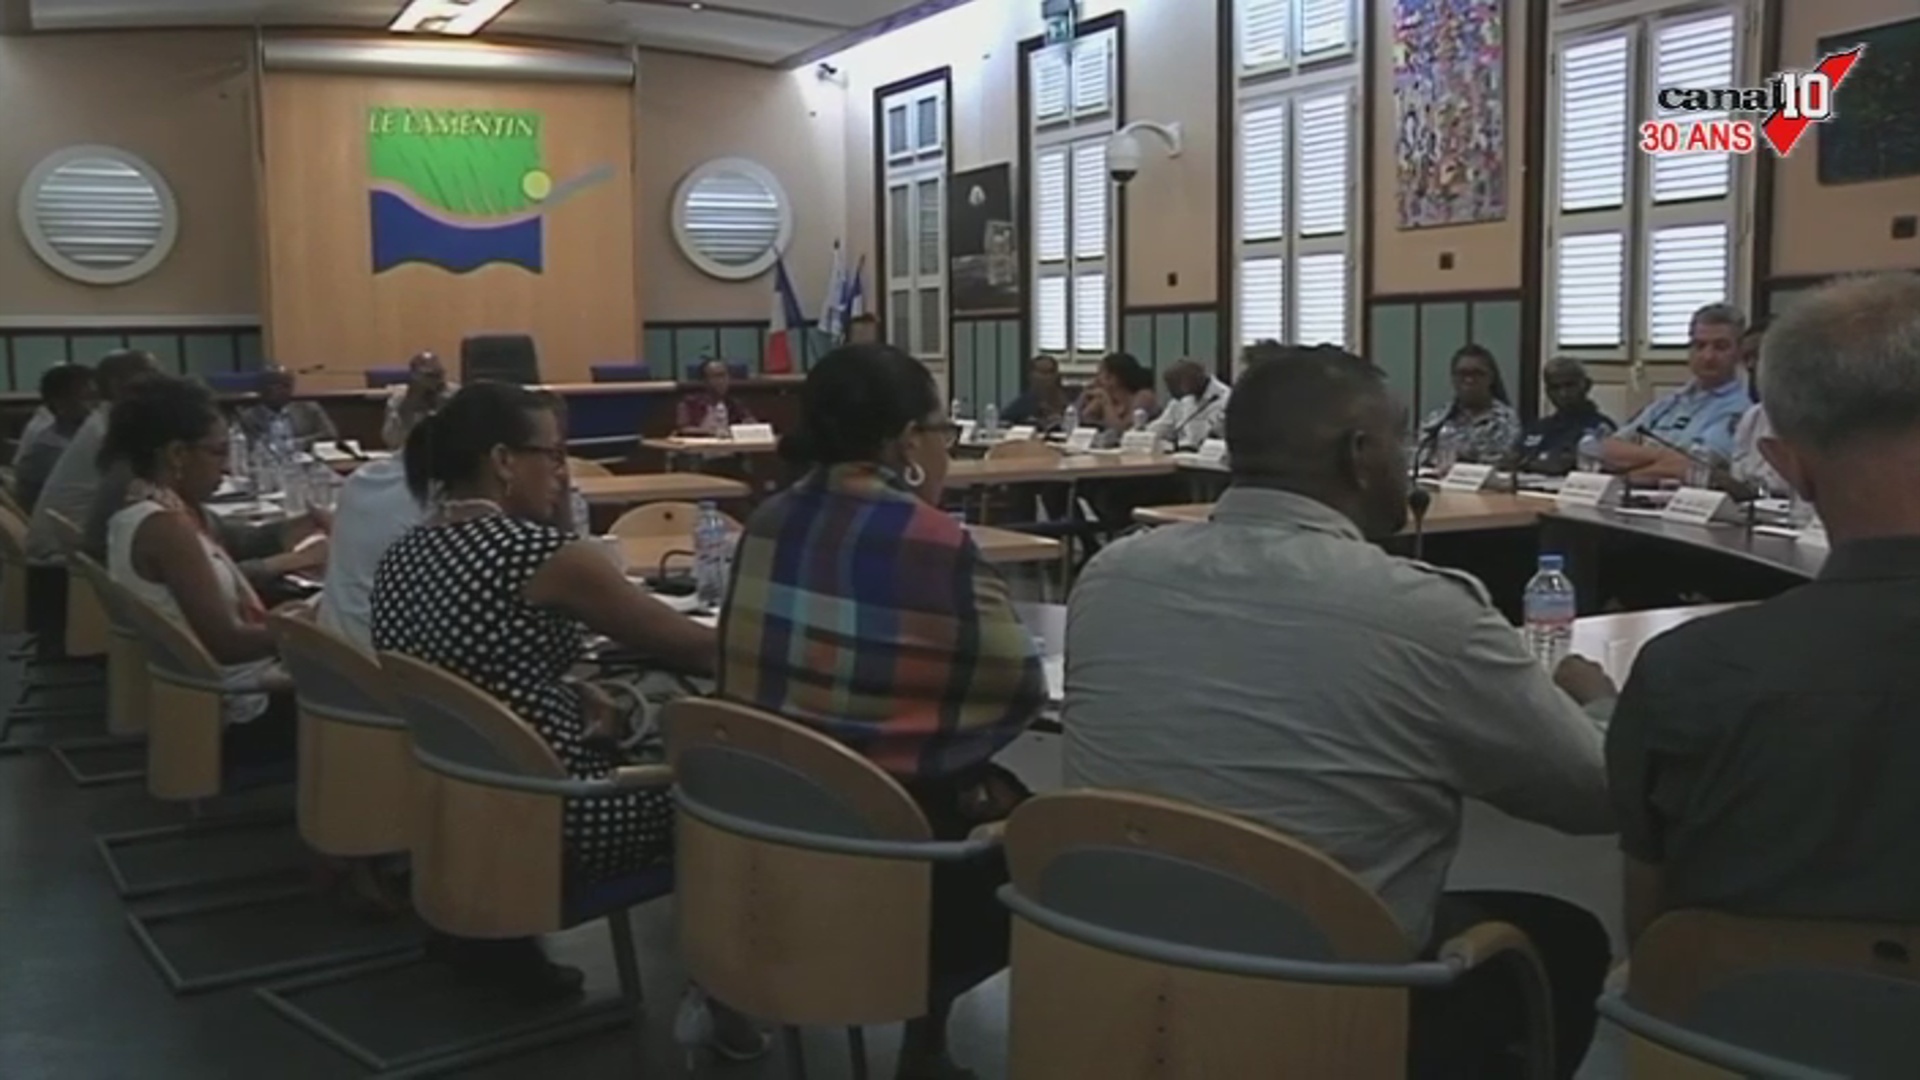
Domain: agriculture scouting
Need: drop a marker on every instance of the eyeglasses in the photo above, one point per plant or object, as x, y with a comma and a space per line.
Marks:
947, 431
555, 455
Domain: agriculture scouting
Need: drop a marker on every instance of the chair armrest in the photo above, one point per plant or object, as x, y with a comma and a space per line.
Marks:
1685, 1041
996, 831
1486, 942
633, 777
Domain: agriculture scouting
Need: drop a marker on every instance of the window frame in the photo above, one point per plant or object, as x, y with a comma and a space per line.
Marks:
1639, 217
1078, 135
908, 169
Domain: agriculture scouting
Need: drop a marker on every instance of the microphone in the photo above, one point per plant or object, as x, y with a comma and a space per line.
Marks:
1418, 500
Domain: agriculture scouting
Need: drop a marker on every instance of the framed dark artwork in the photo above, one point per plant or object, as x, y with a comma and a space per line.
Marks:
983, 242
1874, 133
1450, 111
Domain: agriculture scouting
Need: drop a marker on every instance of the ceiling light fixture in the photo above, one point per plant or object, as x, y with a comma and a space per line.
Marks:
453, 18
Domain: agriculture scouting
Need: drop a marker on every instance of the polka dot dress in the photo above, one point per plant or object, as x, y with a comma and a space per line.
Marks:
452, 595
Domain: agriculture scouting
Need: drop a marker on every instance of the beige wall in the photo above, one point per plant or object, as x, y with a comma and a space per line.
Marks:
1485, 256
693, 110
1169, 67
179, 100
1824, 230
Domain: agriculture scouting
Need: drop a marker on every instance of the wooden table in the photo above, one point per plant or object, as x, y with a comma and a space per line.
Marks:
1001, 546
1452, 511
966, 474
637, 489
709, 448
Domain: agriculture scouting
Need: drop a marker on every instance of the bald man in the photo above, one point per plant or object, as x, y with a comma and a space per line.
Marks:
425, 390
1198, 407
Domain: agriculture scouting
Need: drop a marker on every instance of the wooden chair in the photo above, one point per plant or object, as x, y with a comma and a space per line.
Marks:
661, 519
14, 570
127, 680
1712, 996
805, 874
356, 771
578, 467
1155, 939
489, 860
1024, 450
86, 619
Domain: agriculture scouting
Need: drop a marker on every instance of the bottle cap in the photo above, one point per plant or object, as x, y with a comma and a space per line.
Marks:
1553, 562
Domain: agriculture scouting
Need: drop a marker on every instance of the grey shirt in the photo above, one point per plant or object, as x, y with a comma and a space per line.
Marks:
1273, 664
70, 487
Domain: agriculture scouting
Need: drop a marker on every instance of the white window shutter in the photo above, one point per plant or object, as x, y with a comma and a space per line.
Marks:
1590, 282
1090, 200
1322, 158
1089, 312
1265, 33
1050, 314
1693, 52
1688, 267
1050, 84
1326, 26
1050, 205
1263, 300
1595, 132
1320, 304
1093, 74
1263, 171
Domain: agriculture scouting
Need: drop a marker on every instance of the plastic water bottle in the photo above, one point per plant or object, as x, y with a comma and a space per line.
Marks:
1139, 419
710, 543
1070, 420
1446, 449
957, 410
718, 420
285, 451
1550, 608
238, 464
990, 420
582, 514
1588, 454
1699, 465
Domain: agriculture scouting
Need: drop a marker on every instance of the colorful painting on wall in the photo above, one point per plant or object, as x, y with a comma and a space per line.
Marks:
461, 188
1450, 111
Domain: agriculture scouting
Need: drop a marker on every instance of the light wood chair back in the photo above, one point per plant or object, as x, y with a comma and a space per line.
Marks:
488, 861
355, 793
661, 519
13, 572
8, 500
1157, 939
578, 467
1712, 995
128, 695
184, 752
87, 633
798, 930
1024, 450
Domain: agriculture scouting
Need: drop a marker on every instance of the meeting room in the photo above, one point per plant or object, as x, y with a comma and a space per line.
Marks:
960, 539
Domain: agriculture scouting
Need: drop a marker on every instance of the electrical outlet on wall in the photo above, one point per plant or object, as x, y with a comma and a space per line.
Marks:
1446, 260
1904, 227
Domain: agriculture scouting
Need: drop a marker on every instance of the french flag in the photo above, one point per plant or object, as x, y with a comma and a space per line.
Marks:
784, 320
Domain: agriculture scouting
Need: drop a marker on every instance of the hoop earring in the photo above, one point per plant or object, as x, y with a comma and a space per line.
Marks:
914, 474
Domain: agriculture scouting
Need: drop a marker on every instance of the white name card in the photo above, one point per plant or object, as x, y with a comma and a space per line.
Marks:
1080, 440
1699, 506
753, 433
1815, 535
1139, 442
1466, 478
967, 430
1213, 452
1590, 489
1019, 433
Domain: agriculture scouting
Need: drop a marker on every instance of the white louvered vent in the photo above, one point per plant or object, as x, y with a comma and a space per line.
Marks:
1263, 171
1589, 289
1050, 205
1326, 26
1092, 75
1693, 53
1323, 158
1090, 200
1090, 312
1050, 82
931, 210
1594, 130
97, 215
1050, 314
1321, 284
732, 218
1688, 267
1264, 32
1263, 300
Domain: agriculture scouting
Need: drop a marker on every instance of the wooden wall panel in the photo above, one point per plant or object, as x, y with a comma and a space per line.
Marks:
330, 314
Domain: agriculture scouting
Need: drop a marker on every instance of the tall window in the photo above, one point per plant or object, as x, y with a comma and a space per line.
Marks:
915, 210
1073, 113
1635, 244
1297, 65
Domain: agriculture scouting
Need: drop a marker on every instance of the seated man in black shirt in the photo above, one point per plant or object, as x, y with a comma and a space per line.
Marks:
1762, 760
1551, 444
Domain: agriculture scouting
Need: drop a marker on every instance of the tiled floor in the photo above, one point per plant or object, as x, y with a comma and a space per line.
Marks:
79, 1001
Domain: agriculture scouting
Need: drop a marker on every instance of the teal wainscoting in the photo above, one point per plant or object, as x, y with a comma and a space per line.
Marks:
677, 349
27, 352
1413, 339
987, 364
1163, 336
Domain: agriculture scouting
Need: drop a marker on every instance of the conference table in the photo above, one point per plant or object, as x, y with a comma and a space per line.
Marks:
1002, 547
640, 488
1450, 512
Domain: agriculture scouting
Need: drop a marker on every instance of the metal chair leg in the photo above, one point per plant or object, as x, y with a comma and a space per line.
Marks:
625, 962
857, 1048
796, 1054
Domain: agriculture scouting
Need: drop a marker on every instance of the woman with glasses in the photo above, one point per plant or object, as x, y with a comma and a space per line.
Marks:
490, 588
1479, 425
862, 609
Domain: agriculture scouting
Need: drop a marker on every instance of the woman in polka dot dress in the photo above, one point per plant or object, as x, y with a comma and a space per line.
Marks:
491, 589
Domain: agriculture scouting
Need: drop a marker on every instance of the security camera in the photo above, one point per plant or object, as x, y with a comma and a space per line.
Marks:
1124, 152
1123, 158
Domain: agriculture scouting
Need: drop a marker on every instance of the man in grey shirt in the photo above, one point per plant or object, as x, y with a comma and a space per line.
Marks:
1273, 663
75, 479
